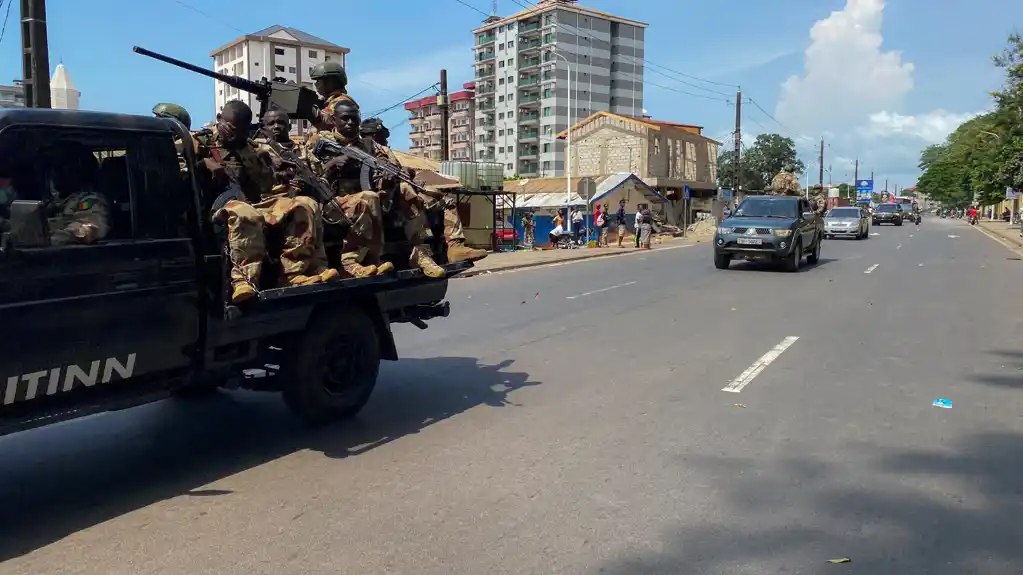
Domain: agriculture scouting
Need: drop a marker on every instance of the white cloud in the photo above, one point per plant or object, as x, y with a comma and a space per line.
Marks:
852, 92
416, 73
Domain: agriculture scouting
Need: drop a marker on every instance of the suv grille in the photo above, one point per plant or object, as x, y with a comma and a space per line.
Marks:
761, 231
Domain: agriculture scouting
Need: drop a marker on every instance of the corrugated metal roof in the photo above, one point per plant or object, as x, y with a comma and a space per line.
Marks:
615, 181
542, 200
416, 162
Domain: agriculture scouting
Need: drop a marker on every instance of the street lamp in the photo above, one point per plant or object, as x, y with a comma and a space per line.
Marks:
568, 145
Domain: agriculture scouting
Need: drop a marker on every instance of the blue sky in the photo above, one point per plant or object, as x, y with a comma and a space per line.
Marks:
879, 80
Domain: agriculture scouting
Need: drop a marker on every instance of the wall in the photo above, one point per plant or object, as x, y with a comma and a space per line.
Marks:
608, 151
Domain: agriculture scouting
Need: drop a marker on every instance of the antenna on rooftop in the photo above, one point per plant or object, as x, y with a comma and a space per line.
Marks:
493, 7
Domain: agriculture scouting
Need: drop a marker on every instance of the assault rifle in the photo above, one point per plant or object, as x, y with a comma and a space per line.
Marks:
299, 102
331, 202
326, 149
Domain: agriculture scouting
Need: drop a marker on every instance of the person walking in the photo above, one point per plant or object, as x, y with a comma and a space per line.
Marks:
646, 229
528, 230
603, 226
620, 222
638, 222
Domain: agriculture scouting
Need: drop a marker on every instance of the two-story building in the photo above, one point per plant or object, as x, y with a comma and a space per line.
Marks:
667, 156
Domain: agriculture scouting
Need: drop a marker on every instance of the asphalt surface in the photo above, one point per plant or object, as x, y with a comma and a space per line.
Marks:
571, 419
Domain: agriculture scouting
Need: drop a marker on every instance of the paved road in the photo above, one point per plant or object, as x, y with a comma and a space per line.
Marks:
584, 430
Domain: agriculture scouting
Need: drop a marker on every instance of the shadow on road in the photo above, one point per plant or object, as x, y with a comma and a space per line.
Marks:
954, 510
776, 267
1012, 379
64, 478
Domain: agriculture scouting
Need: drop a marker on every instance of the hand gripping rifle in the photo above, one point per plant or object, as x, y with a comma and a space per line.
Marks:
331, 202
299, 102
327, 149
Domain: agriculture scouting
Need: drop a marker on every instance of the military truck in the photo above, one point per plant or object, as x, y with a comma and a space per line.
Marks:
142, 315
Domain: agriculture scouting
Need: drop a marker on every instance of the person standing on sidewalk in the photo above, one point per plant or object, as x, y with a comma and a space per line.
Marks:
528, 230
646, 229
639, 222
620, 222
578, 227
603, 226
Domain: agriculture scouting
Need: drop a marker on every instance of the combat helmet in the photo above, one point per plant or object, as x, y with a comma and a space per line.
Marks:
175, 111
371, 126
329, 69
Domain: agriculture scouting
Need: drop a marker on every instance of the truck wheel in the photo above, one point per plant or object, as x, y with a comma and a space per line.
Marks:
815, 255
791, 263
721, 261
334, 369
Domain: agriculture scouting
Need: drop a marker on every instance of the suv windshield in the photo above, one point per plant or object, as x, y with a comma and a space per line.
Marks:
887, 208
768, 208
844, 213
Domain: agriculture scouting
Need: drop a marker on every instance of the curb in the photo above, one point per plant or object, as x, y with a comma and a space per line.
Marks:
472, 272
1013, 245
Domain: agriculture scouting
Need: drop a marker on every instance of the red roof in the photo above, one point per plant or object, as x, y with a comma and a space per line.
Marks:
431, 100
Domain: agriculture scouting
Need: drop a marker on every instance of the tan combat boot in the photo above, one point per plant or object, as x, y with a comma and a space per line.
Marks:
329, 275
353, 269
459, 252
296, 280
241, 292
421, 259
384, 268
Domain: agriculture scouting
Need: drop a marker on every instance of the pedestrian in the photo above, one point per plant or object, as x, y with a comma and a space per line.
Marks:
578, 225
528, 230
639, 220
646, 229
620, 221
604, 226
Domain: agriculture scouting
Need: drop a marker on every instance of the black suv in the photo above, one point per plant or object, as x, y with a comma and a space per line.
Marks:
887, 214
776, 228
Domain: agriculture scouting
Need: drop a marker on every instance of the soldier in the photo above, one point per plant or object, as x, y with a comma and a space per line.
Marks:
342, 172
453, 234
78, 213
180, 114
785, 184
277, 124
235, 161
331, 82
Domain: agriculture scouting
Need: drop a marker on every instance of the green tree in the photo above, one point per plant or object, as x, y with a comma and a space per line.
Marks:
751, 179
769, 154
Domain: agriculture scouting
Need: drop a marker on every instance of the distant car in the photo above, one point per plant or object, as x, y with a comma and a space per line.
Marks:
847, 221
887, 214
770, 228
909, 214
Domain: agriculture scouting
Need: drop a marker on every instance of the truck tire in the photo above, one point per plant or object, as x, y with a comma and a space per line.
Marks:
815, 256
721, 261
334, 369
792, 261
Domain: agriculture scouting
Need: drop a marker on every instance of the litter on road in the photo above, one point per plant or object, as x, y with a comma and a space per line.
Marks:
942, 403
951, 236
840, 560
742, 405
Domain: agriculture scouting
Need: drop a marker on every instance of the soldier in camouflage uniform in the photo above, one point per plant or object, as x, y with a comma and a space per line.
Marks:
432, 199
78, 214
341, 171
820, 199
180, 114
785, 184
331, 83
233, 160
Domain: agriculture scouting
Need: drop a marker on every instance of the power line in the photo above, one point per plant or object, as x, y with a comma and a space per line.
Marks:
467, 5
6, 16
754, 102
201, 13
412, 97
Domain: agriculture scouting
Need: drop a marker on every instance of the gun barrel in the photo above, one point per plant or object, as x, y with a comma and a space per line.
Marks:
233, 81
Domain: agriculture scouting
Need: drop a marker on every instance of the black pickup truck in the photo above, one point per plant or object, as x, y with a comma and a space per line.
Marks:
141, 315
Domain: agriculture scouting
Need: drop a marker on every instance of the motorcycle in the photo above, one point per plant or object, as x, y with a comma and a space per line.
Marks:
918, 218
973, 220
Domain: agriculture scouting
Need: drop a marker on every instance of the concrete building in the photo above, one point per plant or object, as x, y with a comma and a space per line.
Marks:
277, 52
425, 121
667, 156
12, 96
63, 93
523, 82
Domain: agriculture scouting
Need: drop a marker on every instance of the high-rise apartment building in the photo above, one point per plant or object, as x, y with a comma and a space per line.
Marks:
12, 96
277, 52
425, 120
524, 86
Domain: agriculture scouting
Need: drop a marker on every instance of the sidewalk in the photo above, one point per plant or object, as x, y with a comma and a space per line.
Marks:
1003, 231
503, 261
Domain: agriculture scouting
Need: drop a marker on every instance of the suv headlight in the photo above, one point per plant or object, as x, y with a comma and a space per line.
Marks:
783, 233
725, 230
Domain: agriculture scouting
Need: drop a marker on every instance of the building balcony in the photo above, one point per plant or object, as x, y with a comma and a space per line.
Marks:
416, 120
486, 140
529, 30
484, 57
485, 89
484, 72
529, 47
464, 113
529, 102
529, 169
529, 81
460, 129
486, 106
529, 119
484, 157
485, 39
529, 153
432, 131
528, 64
529, 135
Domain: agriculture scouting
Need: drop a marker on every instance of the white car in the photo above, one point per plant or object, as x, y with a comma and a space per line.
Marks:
847, 222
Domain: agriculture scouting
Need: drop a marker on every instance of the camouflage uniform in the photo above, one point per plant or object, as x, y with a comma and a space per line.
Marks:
785, 184
324, 121
413, 209
302, 260
364, 243
81, 218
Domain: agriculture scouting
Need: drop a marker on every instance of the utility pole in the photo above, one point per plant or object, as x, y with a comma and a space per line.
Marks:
886, 184
442, 103
35, 54
821, 175
737, 161
856, 180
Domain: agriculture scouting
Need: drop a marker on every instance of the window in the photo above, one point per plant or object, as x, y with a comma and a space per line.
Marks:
314, 54
511, 115
279, 51
137, 174
511, 44
547, 93
510, 166
548, 130
500, 46
548, 38
310, 71
549, 19
279, 68
546, 165
511, 131
500, 132
291, 69
326, 57
547, 112
500, 98
511, 61
501, 150
500, 116
500, 64
500, 28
